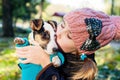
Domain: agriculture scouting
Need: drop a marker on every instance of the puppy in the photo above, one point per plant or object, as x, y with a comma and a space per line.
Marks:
43, 32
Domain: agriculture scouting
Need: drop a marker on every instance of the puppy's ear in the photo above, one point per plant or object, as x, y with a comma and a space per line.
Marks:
36, 24
53, 24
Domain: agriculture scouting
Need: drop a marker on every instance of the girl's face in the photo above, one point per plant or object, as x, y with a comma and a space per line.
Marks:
64, 38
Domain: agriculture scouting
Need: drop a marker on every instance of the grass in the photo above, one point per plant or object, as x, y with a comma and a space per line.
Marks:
108, 61
8, 61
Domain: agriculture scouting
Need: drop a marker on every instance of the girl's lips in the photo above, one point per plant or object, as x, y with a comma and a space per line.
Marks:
55, 49
58, 46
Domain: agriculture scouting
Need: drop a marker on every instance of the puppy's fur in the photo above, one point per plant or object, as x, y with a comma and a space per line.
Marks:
43, 32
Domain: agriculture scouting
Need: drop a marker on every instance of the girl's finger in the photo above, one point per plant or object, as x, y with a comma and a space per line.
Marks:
24, 61
21, 52
21, 55
22, 48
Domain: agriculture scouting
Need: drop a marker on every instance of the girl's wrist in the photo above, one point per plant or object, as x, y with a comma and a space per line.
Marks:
46, 62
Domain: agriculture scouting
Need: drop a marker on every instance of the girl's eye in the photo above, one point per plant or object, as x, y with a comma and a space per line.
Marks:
62, 26
69, 36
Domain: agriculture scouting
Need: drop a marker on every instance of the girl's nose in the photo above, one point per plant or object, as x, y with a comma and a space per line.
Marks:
59, 32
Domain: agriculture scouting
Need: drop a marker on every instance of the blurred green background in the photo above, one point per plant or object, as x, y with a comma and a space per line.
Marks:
15, 16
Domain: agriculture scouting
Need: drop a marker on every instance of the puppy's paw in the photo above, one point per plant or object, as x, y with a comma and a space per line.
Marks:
18, 40
56, 61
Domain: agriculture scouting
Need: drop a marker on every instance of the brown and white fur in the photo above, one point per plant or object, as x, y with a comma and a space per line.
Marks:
44, 33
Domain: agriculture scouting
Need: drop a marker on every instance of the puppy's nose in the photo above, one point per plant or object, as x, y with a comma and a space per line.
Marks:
55, 49
55, 37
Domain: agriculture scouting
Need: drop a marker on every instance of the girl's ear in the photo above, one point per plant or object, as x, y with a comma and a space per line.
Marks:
53, 24
36, 24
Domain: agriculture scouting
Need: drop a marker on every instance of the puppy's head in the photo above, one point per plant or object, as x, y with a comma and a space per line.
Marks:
43, 32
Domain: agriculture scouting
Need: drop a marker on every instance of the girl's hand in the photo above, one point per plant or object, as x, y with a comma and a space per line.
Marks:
33, 54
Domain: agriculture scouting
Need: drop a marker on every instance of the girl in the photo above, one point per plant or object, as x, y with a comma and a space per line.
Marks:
82, 32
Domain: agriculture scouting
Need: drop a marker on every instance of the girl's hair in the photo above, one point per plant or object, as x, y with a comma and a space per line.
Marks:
76, 69
87, 71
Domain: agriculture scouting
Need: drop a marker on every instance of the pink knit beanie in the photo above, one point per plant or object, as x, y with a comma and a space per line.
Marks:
76, 22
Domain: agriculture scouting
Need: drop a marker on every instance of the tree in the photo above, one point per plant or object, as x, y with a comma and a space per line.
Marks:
23, 9
0, 9
7, 19
17, 9
112, 6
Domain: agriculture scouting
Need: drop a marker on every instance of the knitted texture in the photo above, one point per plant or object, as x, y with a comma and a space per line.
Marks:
75, 20
116, 22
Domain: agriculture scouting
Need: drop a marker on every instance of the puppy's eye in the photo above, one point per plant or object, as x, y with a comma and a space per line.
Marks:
46, 35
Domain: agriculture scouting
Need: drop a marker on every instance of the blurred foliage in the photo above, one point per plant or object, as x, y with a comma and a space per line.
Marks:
108, 61
8, 61
21, 9
8, 66
14, 10
0, 9
25, 8
112, 7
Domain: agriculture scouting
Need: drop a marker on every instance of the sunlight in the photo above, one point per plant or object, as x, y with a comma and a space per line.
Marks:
95, 4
